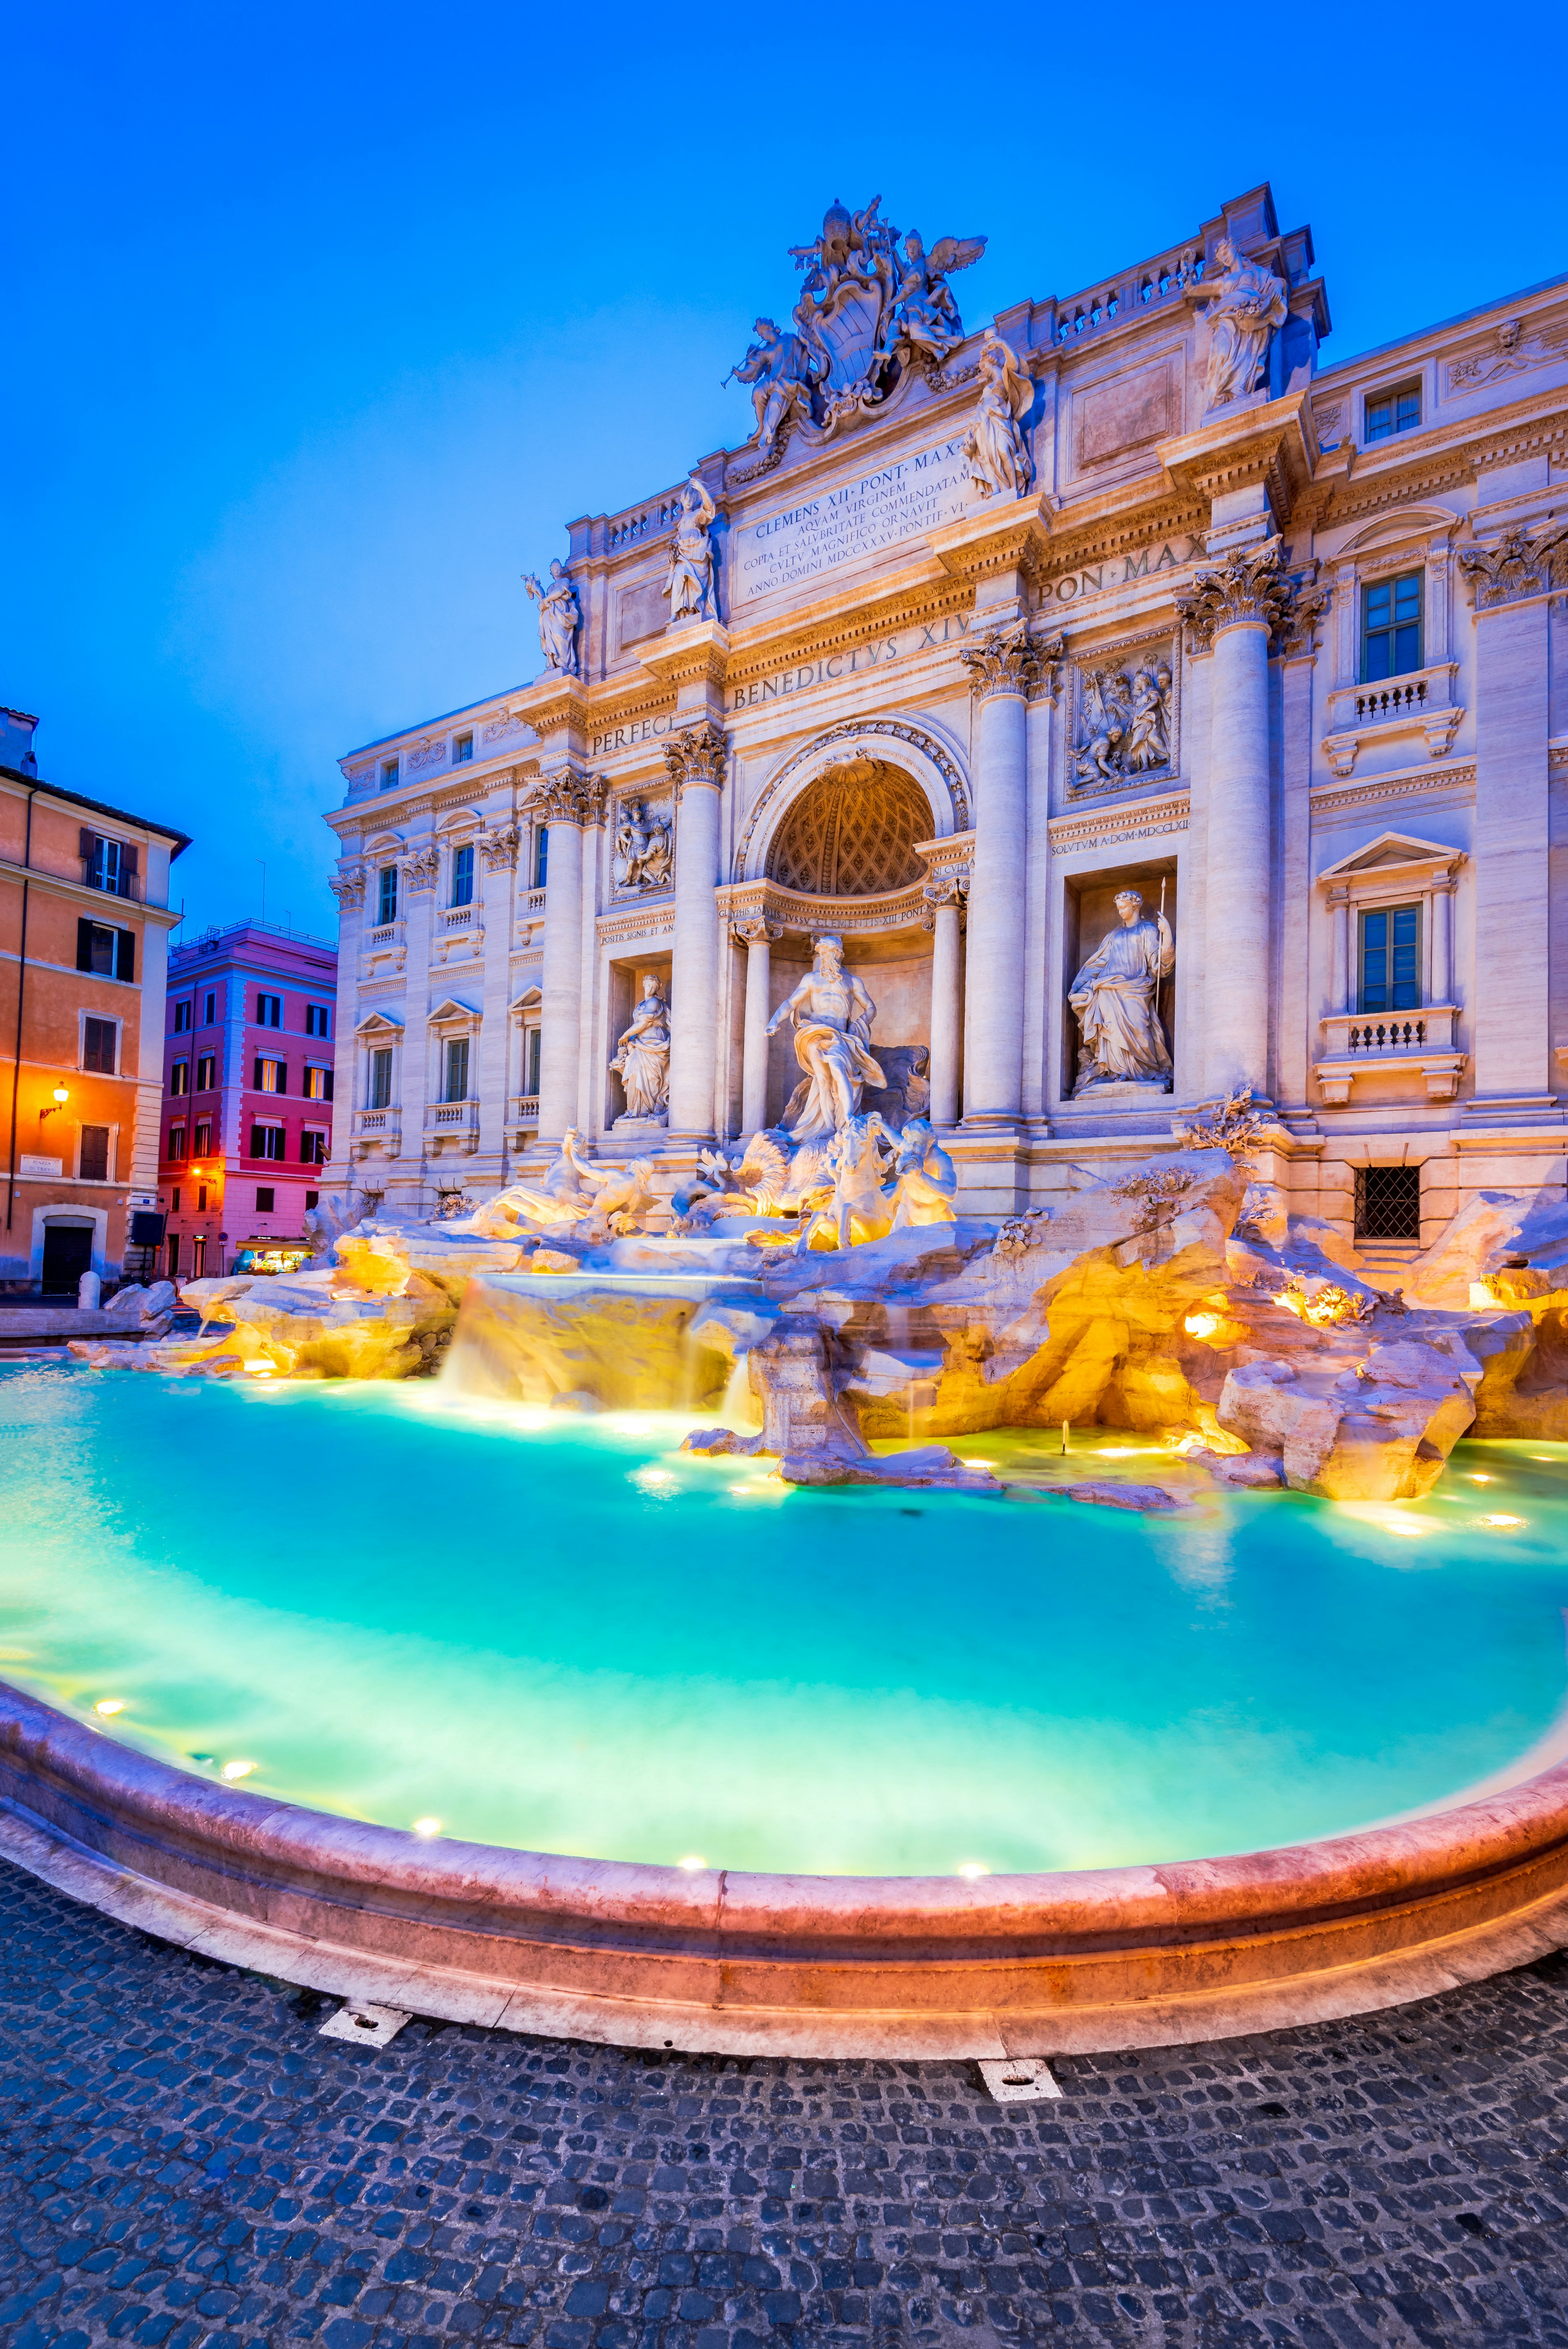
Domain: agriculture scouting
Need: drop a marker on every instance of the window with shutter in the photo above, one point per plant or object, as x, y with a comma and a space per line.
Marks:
98, 1042
124, 956
93, 1159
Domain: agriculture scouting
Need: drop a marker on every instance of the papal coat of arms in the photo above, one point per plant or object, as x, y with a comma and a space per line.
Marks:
875, 304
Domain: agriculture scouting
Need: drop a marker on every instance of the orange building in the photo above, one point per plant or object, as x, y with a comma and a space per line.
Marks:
83, 939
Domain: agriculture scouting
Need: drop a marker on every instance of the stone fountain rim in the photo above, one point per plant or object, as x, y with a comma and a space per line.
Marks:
739, 1962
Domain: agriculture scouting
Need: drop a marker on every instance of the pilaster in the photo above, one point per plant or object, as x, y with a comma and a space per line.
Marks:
348, 888
695, 758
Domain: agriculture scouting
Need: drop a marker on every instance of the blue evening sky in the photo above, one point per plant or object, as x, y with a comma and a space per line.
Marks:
322, 321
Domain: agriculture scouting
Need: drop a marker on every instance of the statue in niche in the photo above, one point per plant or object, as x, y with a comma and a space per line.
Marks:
1249, 304
832, 1015
560, 617
641, 857
995, 452
1116, 997
1124, 722
642, 1059
782, 372
689, 582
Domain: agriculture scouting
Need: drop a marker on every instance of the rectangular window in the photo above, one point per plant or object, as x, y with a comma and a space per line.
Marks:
180, 1079
269, 1012
176, 1145
318, 1082
312, 1147
182, 1018
206, 1071
386, 894
1387, 1203
99, 1040
381, 1079
1391, 627
175, 1209
108, 864
530, 1083
456, 1069
107, 953
201, 1198
270, 1077
202, 1137
388, 774
540, 856
1387, 412
462, 749
316, 1017
208, 1007
199, 1256
312, 1199
265, 1197
267, 1141
92, 1163
1391, 959
173, 1246
463, 874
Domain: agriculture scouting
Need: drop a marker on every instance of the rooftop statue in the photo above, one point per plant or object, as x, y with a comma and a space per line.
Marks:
1249, 304
1115, 996
874, 302
995, 451
832, 1015
559, 618
688, 582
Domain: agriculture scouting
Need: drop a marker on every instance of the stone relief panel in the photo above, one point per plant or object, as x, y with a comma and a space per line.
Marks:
1124, 714
1509, 350
642, 845
641, 611
1111, 419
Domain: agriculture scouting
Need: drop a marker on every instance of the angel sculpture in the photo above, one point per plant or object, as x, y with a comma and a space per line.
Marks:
1106, 711
996, 453
689, 582
926, 319
559, 618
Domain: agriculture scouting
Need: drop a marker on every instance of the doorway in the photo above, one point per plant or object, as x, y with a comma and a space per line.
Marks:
67, 1254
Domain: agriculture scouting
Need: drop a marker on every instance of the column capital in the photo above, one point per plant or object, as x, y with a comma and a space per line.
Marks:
1248, 589
499, 846
754, 930
1009, 662
570, 795
697, 754
421, 867
348, 886
1521, 563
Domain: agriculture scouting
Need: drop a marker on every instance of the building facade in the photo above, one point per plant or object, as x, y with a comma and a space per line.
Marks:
84, 933
250, 1035
1153, 712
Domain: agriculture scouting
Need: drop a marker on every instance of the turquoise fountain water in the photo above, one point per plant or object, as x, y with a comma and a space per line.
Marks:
567, 1636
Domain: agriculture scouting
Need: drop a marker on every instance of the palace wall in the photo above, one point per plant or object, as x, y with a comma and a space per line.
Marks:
1170, 659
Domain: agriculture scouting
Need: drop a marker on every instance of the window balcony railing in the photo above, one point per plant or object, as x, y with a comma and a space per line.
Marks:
1358, 1045
129, 885
523, 1110
1373, 716
457, 916
378, 1129
452, 1124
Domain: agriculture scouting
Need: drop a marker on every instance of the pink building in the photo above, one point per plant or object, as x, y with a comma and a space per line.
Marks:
250, 1033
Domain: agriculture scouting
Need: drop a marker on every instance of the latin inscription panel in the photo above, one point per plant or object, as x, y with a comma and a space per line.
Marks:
884, 509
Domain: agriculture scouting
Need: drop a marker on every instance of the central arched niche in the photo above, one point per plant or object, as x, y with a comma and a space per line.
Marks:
851, 832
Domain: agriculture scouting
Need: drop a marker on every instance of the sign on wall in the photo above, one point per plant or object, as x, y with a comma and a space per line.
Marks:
898, 502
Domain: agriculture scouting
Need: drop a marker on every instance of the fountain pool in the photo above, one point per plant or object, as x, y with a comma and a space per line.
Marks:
563, 1635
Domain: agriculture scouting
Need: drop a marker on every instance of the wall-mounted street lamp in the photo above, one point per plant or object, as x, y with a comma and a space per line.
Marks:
62, 1095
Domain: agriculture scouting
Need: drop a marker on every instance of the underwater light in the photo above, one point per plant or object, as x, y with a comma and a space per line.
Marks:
1202, 1324
973, 1867
427, 1827
232, 1770
109, 1705
691, 1863
1502, 1521
1481, 1480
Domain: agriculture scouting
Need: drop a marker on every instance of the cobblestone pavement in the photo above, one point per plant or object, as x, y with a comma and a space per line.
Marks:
185, 2163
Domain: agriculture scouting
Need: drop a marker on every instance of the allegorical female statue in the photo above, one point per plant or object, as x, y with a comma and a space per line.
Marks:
1116, 997
559, 618
689, 582
1249, 304
995, 452
642, 1059
832, 1015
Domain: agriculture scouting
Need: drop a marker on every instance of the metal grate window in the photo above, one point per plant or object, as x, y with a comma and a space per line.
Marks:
1387, 1203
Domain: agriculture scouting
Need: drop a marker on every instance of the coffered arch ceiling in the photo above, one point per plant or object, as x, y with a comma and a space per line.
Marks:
851, 832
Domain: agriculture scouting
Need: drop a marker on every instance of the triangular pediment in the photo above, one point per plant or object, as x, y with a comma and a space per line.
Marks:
528, 1001
445, 1014
1390, 848
379, 1023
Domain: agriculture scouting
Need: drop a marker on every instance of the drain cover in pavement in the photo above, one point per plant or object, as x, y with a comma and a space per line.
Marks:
1021, 2080
367, 2026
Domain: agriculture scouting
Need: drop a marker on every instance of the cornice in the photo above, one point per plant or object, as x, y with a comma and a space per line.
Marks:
1124, 819
1274, 443
113, 912
1403, 784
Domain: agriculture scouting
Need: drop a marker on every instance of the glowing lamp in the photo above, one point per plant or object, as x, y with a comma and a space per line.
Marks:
973, 1868
62, 1095
427, 1827
109, 1705
233, 1770
691, 1863
1202, 1324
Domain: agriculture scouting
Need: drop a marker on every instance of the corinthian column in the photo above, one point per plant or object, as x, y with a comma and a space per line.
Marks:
1234, 610
1001, 674
695, 761
756, 936
565, 804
